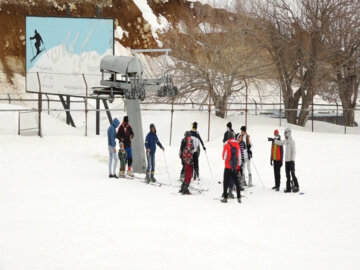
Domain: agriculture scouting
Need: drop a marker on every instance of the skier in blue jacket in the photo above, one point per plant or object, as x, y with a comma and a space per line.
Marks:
150, 144
111, 133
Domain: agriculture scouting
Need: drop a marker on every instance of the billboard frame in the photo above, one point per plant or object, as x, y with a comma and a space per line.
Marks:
65, 17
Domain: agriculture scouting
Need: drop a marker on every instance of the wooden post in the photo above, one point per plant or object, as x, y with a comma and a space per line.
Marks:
171, 122
68, 112
86, 106
97, 116
39, 105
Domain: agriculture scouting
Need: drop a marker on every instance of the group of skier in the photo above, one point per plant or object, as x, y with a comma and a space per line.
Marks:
124, 134
237, 155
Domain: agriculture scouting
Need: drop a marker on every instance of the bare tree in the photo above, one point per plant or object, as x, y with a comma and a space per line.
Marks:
213, 56
293, 34
343, 38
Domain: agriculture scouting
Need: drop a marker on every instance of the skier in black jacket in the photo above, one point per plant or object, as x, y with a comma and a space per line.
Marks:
125, 135
227, 133
196, 138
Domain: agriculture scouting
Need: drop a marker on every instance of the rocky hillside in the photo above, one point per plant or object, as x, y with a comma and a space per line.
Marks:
138, 23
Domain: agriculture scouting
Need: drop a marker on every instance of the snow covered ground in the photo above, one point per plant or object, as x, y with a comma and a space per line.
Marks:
58, 209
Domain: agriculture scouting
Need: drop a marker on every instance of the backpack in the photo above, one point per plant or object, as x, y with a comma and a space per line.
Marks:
188, 152
234, 161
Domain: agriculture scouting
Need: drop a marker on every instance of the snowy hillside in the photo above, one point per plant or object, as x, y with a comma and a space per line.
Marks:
59, 210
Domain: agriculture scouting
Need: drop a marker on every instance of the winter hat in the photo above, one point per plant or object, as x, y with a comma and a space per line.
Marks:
152, 126
276, 132
121, 144
194, 125
243, 128
126, 119
187, 134
287, 131
237, 136
229, 125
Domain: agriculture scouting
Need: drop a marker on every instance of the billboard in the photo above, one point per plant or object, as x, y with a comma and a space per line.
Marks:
60, 49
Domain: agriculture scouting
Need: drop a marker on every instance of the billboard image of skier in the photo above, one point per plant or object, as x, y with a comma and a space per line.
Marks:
60, 49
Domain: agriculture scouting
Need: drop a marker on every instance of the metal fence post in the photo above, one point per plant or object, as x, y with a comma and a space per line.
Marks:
246, 105
86, 105
39, 104
171, 123
209, 118
345, 120
280, 108
19, 123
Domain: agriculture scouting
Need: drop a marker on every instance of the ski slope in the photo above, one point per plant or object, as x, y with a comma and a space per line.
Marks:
58, 209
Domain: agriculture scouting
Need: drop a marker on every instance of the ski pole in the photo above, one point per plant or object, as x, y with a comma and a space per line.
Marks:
167, 169
45, 49
211, 175
258, 174
32, 48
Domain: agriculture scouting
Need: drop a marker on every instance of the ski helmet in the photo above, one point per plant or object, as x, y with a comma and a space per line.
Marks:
287, 132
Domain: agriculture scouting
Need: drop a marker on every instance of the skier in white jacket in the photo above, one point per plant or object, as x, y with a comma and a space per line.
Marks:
248, 156
289, 161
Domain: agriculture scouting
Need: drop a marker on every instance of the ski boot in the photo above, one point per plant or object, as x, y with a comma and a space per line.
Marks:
115, 176
224, 200
243, 181
295, 189
152, 178
239, 200
274, 187
147, 177
130, 173
186, 190
231, 195
182, 187
111, 176
287, 190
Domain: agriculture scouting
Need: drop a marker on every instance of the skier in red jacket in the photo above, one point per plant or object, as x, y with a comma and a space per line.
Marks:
232, 161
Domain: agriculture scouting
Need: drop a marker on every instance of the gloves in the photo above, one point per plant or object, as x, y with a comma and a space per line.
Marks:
204, 148
250, 153
270, 139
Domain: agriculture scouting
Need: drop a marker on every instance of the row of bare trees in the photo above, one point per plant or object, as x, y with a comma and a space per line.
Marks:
310, 47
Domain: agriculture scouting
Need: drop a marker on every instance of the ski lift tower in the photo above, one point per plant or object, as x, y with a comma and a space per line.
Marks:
123, 76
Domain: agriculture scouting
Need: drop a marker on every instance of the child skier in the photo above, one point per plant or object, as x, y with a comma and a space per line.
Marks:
150, 144
289, 161
188, 154
123, 160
